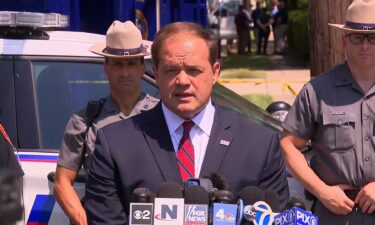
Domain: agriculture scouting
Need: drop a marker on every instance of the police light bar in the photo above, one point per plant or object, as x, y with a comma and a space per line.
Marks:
35, 20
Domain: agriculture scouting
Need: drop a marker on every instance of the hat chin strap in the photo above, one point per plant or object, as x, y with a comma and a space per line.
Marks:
129, 51
360, 26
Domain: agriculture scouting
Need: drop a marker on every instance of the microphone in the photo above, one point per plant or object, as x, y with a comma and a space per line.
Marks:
223, 209
247, 197
169, 205
203, 182
141, 207
296, 202
273, 200
218, 181
196, 206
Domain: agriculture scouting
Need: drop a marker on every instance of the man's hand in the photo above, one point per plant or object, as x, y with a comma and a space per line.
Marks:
334, 199
366, 198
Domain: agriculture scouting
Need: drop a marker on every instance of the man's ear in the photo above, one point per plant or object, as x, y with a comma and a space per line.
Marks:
216, 71
156, 74
344, 40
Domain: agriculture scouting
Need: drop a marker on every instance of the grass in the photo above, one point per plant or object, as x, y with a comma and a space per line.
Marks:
260, 100
251, 62
242, 73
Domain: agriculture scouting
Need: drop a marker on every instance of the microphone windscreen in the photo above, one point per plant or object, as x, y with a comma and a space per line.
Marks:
296, 202
218, 181
170, 190
141, 195
251, 194
196, 195
273, 200
212, 195
224, 196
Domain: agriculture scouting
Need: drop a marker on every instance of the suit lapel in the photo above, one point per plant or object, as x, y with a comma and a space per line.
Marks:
157, 136
218, 145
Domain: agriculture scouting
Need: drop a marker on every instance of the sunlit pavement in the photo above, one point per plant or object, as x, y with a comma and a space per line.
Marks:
282, 84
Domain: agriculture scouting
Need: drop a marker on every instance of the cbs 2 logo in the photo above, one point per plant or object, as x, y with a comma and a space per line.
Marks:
144, 215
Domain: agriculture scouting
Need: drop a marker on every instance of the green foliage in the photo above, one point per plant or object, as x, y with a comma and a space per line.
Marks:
297, 5
252, 62
298, 41
263, 101
243, 73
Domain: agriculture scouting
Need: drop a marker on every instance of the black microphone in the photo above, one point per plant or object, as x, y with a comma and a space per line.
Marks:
218, 181
196, 195
196, 206
169, 205
247, 197
224, 196
141, 207
273, 200
170, 190
143, 195
296, 202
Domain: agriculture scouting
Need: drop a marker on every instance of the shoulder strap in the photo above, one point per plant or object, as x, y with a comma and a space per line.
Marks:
4, 133
93, 110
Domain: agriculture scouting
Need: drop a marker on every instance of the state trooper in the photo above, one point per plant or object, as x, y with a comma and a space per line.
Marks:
336, 111
124, 52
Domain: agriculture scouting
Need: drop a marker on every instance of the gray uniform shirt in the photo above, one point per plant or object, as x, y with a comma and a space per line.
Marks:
72, 154
338, 117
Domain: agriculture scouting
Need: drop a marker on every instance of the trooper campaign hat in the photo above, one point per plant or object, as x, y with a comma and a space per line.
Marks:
123, 40
360, 17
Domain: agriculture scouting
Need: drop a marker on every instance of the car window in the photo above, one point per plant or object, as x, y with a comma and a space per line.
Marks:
62, 88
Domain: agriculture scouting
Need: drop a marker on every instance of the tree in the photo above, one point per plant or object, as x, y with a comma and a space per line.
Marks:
325, 42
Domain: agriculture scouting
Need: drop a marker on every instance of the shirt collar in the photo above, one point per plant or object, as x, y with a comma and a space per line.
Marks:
343, 76
203, 120
110, 105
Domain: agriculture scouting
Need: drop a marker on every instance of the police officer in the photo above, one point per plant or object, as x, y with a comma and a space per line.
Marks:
124, 53
336, 111
7, 158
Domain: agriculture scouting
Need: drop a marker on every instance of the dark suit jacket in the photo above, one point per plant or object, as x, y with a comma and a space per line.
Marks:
138, 152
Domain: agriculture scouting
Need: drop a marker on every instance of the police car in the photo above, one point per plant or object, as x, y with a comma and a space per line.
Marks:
46, 75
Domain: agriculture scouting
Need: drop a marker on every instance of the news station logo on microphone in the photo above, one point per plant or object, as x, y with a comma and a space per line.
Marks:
169, 211
196, 215
295, 216
264, 214
141, 213
224, 214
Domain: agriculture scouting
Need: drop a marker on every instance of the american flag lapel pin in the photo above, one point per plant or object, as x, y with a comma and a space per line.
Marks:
224, 142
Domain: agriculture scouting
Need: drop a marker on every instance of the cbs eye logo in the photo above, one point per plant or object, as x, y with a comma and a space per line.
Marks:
145, 214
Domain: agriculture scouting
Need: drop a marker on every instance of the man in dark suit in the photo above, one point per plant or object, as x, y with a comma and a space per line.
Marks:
186, 135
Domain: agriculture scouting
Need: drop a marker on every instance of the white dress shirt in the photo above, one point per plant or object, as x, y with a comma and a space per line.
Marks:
199, 134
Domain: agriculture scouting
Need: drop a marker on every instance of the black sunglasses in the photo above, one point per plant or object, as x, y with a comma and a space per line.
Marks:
357, 38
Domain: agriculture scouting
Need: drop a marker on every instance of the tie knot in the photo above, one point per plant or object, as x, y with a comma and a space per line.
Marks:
187, 125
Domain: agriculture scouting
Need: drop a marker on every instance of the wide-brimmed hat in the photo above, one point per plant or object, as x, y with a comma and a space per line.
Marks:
123, 40
360, 17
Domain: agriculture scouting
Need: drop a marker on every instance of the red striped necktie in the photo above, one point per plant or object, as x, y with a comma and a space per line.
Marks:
185, 152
